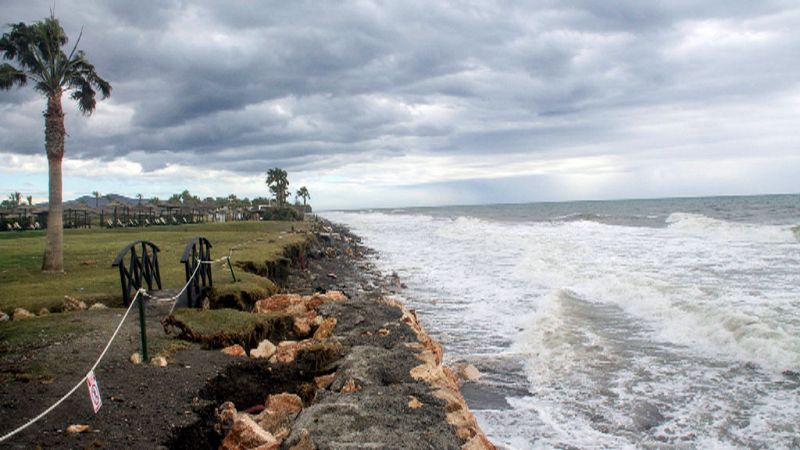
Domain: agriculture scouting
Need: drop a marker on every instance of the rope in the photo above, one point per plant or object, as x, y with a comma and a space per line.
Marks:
141, 292
177, 296
75, 388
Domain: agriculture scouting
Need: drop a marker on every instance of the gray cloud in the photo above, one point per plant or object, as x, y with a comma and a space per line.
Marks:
249, 85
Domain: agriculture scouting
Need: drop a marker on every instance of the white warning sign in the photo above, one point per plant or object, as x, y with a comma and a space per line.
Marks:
94, 392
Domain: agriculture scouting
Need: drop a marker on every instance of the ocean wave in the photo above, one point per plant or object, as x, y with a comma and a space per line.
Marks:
708, 227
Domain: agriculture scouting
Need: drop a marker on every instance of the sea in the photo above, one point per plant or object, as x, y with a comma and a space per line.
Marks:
655, 324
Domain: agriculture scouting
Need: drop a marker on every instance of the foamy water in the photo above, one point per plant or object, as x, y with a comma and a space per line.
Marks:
664, 324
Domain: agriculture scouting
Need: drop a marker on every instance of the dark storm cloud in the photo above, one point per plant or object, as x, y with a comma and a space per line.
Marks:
248, 85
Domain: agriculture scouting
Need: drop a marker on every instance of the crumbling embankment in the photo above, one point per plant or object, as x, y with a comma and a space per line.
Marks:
354, 370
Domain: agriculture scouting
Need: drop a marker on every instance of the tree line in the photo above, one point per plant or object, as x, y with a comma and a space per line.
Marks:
15, 199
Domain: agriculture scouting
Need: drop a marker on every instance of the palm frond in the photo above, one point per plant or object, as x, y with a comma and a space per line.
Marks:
83, 94
10, 76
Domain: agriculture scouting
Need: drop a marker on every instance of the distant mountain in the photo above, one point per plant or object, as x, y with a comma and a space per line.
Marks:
89, 201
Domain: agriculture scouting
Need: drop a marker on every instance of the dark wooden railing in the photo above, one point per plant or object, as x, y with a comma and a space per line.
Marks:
197, 251
142, 266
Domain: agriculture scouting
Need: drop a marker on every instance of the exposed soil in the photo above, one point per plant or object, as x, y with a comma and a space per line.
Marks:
147, 407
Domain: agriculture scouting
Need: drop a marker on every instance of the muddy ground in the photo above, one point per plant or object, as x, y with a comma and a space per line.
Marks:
149, 407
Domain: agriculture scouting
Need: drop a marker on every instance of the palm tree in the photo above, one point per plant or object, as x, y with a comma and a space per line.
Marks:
278, 182
30, 200
15, 198
303, 192
96, 198
37, 50
140, 197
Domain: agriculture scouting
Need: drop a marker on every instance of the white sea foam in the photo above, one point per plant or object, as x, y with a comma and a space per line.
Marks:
628, 336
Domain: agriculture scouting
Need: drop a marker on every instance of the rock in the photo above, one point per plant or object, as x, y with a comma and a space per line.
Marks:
646, 416
478, 442
314, 355
289, 404
159, 361
276, 423
305, 442
97, 306
22, 313
384, 332
332, 276
43, 312
234, 350
350, 386
246, 434
226, 415
265, 349
324, 381
276, 303
467, 372
414, 403
72, 304
325, 330
75, 429
302, 327
286, 352
4, 317
136, 358
335, 296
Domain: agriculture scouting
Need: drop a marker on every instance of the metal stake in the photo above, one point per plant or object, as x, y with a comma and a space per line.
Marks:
230, 266
143, 330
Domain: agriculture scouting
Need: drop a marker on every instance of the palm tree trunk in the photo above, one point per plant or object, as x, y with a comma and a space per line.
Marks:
54, 132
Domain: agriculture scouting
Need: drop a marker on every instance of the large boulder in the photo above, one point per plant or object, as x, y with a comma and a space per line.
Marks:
72, 304
289, 404
277, 303
286, 352
234, 350
277, 423
325, 330
22, 313
467, 372
246, 434
302, 326
265, 349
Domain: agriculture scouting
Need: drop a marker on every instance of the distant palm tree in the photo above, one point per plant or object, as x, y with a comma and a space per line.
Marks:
30, 200
278, 182
15, 198
303, 192
140, 197
96, 198
37, 49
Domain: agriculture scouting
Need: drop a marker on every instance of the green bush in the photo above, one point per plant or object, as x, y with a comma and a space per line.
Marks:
284, 213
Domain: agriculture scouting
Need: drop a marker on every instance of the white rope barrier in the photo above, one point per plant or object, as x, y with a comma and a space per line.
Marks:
75, 388
140, 294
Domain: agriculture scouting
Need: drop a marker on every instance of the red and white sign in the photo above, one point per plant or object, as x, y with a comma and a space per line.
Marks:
94, 392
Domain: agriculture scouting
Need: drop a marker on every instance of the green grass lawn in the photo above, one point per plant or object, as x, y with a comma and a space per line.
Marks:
88, 254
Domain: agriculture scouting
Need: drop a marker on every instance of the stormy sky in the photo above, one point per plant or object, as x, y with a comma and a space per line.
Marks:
386, 104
